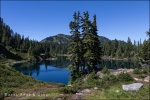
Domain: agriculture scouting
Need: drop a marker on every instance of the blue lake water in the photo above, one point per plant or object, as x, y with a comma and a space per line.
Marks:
55, 71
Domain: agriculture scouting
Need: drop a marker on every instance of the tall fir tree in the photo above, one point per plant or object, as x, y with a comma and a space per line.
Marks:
75, 47
145, 51
95, 47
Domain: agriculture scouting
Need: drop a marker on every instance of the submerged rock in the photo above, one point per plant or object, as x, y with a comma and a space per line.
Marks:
134, 86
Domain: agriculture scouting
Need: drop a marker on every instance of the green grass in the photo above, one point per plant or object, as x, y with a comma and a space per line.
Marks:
13, 81
107, 87
16, 78
111, 93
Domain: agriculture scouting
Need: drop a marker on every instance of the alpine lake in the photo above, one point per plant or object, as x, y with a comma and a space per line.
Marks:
56, 70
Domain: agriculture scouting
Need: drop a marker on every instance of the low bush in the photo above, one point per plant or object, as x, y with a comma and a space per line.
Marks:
109, 78
124, 77
144, 71
91, 77
67, 90
105, 70
142, 76
136, 71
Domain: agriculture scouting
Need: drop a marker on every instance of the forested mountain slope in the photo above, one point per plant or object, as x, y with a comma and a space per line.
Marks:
64, 39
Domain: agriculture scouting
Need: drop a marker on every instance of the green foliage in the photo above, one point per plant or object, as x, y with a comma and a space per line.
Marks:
136, 71
111, 94
141, 76
145, 52
93, 81
105, 70
90, 77
144, 71
75, 47
68, 90
124, 77
109, 79
12, 80
20, 44
91, 42
85, 47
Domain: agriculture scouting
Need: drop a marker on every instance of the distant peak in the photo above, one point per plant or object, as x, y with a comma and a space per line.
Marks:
60, 34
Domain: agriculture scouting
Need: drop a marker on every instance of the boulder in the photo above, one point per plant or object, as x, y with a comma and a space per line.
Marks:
116, 90
100, 74
130, 70
95, 88
85, 91
79, 93
136, 79
59, 99
70, 85
77, 96
134, 86
146, 79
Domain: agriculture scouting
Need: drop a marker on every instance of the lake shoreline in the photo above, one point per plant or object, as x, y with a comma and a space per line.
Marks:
124, 59
16, 62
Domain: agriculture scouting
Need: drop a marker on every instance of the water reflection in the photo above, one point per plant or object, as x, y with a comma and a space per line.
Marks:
116, 64
55, 71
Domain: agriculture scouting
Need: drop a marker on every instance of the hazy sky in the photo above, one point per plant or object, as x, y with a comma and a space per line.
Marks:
40, 19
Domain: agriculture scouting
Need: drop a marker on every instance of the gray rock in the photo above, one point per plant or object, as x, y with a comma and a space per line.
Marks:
147, 79
85, 91
116, 90
95, 88
134, 86
79, 93
59, 99
70, 85
76, 97
100, 74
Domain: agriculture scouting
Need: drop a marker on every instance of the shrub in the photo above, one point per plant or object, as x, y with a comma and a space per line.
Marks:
105, 70
109, 79
68, 90
142, 76
144, 71
91, 77
136, 71
124, 77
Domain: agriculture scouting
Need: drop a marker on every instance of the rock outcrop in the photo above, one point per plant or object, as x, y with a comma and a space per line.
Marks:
134, 86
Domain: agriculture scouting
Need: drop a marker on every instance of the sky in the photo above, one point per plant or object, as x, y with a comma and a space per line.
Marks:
41, 19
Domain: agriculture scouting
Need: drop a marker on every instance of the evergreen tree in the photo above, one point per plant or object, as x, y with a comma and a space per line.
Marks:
84, 47
92, 44
128, 48
145, 52
75, 47
148, 34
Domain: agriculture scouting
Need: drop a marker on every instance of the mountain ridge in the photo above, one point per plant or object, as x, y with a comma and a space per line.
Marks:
64, 39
